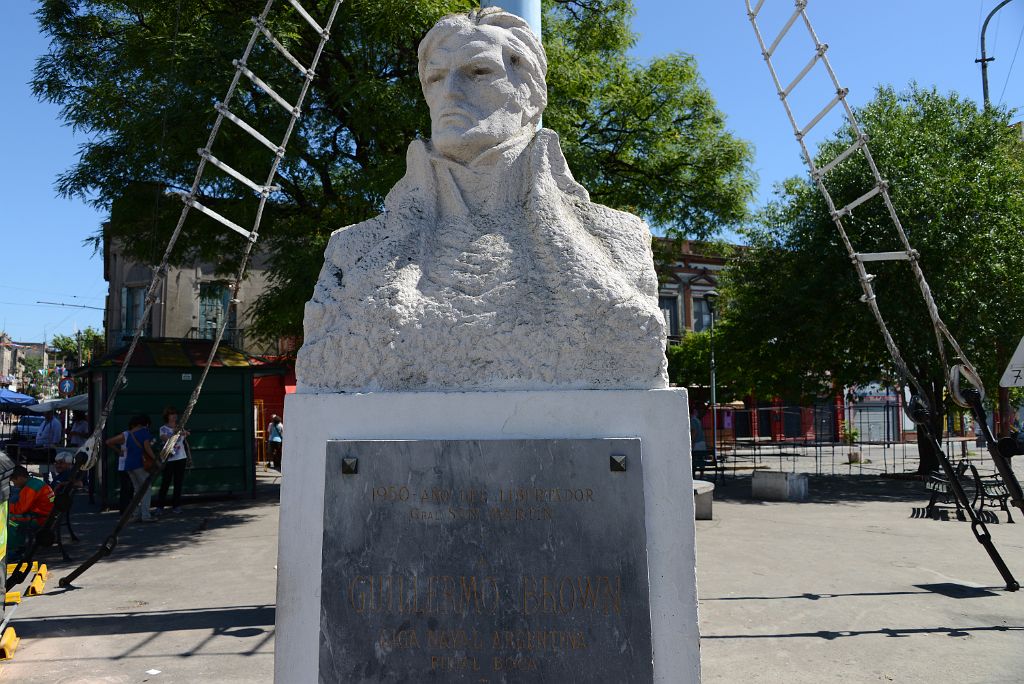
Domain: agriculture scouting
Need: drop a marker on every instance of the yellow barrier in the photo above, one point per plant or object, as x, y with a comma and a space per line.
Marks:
8, 644
37, 586
11, 567
12, 597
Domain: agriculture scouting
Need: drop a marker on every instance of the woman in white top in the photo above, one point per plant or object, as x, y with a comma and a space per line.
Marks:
176, 462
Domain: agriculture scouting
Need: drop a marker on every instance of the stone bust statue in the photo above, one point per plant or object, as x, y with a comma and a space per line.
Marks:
489, 269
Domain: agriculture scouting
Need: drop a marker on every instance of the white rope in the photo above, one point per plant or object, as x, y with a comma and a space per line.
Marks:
91, 448
881, 188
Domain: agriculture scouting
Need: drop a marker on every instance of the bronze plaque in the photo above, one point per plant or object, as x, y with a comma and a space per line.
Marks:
485, 561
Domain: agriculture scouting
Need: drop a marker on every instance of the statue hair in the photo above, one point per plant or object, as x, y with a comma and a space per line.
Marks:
527, 60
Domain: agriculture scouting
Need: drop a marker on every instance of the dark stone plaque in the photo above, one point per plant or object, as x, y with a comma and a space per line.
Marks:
485, 561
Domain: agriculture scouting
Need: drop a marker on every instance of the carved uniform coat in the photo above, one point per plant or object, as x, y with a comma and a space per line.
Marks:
493, 276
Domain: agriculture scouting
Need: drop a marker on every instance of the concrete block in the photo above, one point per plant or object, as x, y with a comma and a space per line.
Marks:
703, 495
773, 486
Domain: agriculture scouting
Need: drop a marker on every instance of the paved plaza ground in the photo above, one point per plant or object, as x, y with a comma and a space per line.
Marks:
852, 587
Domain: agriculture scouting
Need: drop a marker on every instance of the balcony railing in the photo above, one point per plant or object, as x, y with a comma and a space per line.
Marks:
233, 337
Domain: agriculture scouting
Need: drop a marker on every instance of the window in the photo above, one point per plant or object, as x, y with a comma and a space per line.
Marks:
701, 314
214, 303
133, 303
670, 310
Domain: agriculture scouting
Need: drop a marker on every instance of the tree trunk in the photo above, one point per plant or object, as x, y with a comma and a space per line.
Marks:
1005, 413
928, 459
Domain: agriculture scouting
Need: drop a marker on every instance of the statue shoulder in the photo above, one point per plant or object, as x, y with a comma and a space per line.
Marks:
348, 243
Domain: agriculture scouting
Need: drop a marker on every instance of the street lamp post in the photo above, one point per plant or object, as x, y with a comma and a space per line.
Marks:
985, 59
710, 296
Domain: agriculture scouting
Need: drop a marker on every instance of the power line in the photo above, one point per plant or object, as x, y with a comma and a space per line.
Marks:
1012, 62
51, 292
73, 306
981, 13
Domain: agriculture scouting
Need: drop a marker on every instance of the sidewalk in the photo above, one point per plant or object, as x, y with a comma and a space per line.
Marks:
852, 588
191, 596
848, 588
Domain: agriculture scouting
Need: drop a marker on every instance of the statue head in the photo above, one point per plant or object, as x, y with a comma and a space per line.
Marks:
482, 74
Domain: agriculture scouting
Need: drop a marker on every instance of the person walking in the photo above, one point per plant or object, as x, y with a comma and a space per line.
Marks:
275, 440
177, 462
138, 454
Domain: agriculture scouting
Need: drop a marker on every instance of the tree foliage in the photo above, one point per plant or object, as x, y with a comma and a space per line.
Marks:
141, 77
33, 382
794, 324
84, 341
689, 365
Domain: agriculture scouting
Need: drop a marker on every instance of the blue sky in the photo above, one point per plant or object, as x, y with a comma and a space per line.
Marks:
933, 42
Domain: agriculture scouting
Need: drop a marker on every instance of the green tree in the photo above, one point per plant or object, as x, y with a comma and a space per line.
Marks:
793, 323
81, 343
139, 77
689, 365
32, 382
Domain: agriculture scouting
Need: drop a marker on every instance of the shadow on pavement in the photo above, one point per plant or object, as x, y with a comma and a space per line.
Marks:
885, 631
170, 532
832, 489
948, 589
236, 621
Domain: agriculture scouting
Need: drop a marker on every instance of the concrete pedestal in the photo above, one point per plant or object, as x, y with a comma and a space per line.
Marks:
658, 417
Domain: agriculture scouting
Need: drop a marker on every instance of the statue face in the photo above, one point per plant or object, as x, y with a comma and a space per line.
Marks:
475, 103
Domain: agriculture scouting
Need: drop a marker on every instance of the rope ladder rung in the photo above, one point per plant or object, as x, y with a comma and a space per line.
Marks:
840, 96
282, 50
865, 257
226, 113
800, 5
848, 209
308, 18
818, 55
237, 175
262, 85
223, 220
860, 142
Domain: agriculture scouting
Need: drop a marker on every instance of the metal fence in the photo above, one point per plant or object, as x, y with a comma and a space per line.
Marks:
827, 439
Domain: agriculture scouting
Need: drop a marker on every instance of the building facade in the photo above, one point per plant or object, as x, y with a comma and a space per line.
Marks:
191, 303
13, 374
691, 270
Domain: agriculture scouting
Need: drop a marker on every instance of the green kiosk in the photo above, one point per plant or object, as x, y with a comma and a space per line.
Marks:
163, 372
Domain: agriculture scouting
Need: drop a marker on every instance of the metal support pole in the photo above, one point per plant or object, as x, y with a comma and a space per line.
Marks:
714, 398
985, 59
527, 9
710, 296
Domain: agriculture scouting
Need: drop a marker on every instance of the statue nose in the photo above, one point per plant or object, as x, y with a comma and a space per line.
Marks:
454, 87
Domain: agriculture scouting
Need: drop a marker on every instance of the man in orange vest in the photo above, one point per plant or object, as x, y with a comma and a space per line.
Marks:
30, 504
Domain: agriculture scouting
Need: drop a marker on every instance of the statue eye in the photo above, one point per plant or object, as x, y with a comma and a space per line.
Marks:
482, 71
